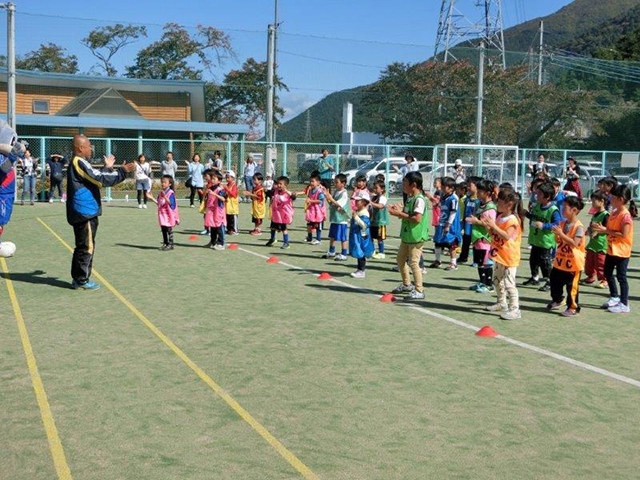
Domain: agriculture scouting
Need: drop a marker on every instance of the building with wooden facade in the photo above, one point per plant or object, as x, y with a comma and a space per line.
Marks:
60, 105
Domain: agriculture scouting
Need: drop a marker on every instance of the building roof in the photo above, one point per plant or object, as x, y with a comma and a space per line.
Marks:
137, 124
103, 101
195, 88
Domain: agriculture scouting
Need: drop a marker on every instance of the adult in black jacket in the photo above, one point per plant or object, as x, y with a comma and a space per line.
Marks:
84, 206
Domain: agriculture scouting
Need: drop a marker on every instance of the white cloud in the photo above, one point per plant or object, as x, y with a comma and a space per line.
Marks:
295, 103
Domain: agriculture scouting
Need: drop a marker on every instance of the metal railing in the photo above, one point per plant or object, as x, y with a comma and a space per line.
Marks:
295, 159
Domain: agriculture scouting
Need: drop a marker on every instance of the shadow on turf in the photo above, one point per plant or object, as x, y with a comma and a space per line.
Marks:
37, 277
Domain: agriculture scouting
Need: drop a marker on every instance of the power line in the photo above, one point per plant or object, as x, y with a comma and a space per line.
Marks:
331, 61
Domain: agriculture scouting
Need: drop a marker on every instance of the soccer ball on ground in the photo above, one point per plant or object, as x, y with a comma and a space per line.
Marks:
7, 249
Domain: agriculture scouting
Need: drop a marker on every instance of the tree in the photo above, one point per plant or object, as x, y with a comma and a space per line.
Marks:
170, 57
433, 103
105, 42
242, 96
49, 58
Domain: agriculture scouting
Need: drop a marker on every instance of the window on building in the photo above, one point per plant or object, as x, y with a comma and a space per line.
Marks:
41, 106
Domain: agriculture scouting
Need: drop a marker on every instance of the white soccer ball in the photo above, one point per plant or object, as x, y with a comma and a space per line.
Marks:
7, 249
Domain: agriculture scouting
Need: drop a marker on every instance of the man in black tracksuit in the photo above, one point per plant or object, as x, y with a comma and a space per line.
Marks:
84, 206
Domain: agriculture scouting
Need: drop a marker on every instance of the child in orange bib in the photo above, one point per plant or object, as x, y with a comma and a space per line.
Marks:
506, 238
619, 231
570, 257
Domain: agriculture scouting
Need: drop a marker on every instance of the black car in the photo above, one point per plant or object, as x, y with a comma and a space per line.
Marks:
306, 168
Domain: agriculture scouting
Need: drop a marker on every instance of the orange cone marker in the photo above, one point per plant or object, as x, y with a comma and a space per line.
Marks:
232, 246
388, 297
324, 276
193, 238
272, 260
486, 331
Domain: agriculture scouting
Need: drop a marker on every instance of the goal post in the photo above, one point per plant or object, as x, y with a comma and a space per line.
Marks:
500, 163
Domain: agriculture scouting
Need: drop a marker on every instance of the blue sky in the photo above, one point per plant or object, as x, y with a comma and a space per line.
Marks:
323, 46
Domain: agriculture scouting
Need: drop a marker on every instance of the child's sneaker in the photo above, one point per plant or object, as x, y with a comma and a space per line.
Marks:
545, 288
569, 312
378, 256
329, 255
531, 281
254, 232
358, 274
476, 286
402, 288
271, 242
451, 266
416, 295
315, 242
588, 281
619, 308
435, 265
556, 305
496, 307
340, 258
285, 246
511, 314
474, 265
204, 232
484, 289
612, 302
602, 285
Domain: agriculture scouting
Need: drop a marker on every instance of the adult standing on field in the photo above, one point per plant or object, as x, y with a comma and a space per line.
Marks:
84, 206
168, 166
249, 172
326, 168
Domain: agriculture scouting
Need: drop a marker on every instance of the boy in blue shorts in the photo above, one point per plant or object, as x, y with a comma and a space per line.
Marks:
339, 217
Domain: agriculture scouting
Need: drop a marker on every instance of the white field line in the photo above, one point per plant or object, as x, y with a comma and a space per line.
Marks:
459, 323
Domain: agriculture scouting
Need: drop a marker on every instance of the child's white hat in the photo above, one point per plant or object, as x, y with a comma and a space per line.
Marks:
361, 195
231, 173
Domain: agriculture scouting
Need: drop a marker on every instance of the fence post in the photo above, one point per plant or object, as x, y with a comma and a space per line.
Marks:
387, 155
285, 149
43, 170
523, 171
604, 162
229, 153
107, 153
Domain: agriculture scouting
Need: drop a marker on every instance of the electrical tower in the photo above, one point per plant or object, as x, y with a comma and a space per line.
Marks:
455, 27
307, 130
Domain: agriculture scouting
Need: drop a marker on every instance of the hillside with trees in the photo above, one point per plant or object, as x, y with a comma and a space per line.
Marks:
584, 27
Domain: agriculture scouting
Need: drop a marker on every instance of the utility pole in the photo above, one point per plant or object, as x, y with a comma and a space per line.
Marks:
540, 52
11, 63
479, 111
271, 74
307, 130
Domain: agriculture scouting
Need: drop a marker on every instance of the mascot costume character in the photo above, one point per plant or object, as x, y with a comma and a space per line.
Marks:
10, 150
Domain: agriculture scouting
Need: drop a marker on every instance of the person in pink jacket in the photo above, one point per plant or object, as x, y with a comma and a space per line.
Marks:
168, 215
281, 211
215, 217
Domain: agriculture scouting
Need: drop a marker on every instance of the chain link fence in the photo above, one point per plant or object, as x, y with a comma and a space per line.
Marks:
298, 160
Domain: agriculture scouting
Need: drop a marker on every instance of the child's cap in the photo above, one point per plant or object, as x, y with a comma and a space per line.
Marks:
361, 195
231, 173
458, 162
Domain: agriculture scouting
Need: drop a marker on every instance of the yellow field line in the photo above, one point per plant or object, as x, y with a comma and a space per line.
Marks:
55, 445
229, 400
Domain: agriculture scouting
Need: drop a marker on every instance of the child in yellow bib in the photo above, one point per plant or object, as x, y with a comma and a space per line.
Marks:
570, 257
506, 239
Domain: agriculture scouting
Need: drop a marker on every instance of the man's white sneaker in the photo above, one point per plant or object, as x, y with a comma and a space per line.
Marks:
511, 315
416, 295
496, 307
620, 308
358, 274
612, 302
402, 288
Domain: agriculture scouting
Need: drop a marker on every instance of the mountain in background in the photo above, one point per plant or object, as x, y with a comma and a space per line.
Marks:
582, 27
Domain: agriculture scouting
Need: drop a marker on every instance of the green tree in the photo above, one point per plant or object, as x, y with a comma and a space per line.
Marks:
433, 103
172, 56
242, 96
105, 42
48, 58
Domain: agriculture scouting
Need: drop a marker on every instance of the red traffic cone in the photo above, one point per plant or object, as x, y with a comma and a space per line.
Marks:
193, 238
388, 297
232, 246
324, 276
272, 260
486, 331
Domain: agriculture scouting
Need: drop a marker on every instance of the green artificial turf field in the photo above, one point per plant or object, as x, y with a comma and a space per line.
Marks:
203, 364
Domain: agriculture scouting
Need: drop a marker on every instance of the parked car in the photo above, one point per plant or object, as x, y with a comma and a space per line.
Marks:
430, 175
627, 176
305, 169
394, 178
373, 167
